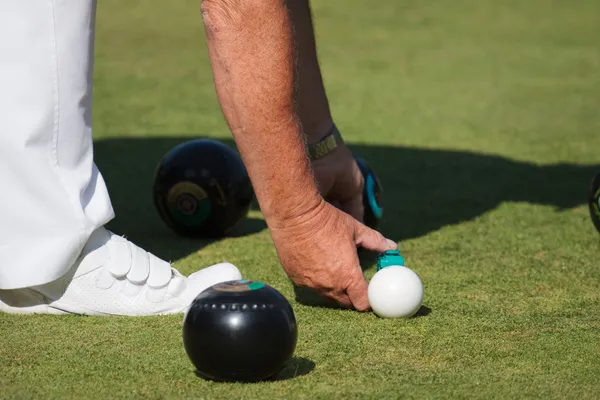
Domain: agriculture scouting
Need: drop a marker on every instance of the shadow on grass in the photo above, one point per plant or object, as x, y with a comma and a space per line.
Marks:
310, 298
424, 189
423, 312
293, 368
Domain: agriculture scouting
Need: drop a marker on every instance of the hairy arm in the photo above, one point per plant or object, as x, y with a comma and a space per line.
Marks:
251, 49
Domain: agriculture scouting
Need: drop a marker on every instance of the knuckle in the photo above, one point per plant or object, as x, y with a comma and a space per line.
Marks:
216, 13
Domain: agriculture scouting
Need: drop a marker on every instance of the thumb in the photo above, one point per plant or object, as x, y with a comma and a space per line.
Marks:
373, 240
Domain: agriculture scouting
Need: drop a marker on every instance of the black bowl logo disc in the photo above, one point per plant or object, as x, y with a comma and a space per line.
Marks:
188, 204
238, 286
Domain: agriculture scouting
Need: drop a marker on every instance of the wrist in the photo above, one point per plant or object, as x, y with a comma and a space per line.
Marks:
315, 131
295, 212
282, 176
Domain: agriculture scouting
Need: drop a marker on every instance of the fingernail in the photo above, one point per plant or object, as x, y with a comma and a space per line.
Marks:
391, 244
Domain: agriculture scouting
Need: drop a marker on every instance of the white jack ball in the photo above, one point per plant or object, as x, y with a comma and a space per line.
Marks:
395, 292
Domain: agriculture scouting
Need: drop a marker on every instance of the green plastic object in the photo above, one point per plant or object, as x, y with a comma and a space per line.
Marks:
389, 258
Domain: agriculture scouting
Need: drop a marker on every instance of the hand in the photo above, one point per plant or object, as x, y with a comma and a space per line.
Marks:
318, 251
340, 181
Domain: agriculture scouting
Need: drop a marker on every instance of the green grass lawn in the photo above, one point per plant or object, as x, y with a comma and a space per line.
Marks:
485, 115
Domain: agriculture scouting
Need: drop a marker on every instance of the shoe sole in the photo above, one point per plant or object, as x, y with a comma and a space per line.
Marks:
50, 310
33, 310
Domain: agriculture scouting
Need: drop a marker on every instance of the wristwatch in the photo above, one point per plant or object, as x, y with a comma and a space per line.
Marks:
326, 145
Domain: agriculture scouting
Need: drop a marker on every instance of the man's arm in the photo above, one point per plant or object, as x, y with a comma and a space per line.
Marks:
338, 176
252, 55
312, 103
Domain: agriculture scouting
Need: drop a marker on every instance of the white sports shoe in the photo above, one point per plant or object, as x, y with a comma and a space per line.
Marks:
115, 277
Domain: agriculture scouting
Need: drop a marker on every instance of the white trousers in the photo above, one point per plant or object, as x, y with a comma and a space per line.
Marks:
52, 196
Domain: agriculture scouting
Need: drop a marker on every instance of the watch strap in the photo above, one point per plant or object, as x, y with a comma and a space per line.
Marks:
326, 145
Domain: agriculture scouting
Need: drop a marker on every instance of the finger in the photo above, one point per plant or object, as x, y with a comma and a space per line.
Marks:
373, 240
358, 292
340, 298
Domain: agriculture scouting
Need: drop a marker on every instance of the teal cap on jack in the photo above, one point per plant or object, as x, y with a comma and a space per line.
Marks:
389, 258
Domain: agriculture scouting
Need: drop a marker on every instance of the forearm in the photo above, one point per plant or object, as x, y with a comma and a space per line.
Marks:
313, 106
252, 54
